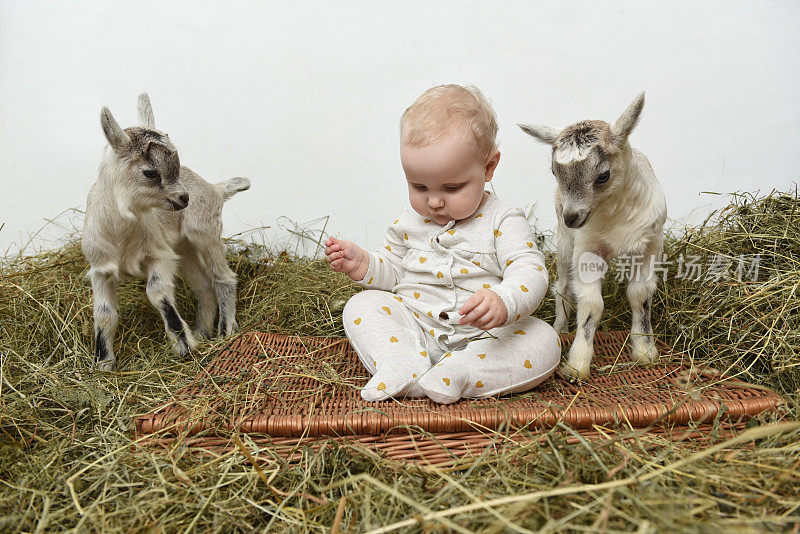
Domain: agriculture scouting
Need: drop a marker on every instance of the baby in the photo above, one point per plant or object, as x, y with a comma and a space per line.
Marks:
450, 294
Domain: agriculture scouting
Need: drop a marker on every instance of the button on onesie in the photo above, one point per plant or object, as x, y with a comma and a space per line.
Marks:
405, 327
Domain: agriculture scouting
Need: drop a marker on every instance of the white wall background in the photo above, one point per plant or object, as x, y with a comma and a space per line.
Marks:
304, 98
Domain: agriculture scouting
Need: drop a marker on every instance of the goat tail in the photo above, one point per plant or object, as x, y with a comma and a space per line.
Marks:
228, 188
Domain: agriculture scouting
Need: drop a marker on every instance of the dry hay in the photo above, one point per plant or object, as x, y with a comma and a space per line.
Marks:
67, 460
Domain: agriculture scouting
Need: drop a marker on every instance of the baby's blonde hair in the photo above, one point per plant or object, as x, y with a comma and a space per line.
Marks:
441, 109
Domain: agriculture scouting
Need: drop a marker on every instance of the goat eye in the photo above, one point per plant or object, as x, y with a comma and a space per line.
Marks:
151, 174
603, 177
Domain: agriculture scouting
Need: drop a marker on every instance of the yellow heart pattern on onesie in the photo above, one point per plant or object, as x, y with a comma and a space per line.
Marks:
524, 289
381, 387
477, 263
439, 275
487, 286
446, 380
498, 233
520, 332
479, 215
464, 271
387, 310
481, 356
527, 364
451, 232
538, 267
405, 236
416, 294
424, 353
423, 259
509, 262
393, 339
416, 314
430, 315
530, 245
426, 221
478, 384
398, 299
388, 248
358, 321
431, 331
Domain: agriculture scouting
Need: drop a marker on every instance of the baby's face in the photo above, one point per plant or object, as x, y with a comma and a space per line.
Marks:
445, 178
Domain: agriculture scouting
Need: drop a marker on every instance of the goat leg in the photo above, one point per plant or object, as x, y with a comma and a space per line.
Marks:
104, 295
641, 288
161, 292
589, 298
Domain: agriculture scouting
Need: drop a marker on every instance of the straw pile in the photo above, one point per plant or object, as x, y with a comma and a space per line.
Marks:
67, 459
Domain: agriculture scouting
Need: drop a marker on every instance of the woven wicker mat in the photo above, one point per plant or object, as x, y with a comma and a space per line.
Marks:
289, 391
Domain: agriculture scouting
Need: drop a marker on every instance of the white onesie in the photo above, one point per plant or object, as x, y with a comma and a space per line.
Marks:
406, 333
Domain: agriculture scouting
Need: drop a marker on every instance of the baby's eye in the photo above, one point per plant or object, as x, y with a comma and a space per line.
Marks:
453, 187
419, 187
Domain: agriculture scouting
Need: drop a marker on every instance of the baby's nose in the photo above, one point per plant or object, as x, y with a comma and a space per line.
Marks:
435, 202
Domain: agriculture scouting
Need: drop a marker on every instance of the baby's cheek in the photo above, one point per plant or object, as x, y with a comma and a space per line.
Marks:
417, 203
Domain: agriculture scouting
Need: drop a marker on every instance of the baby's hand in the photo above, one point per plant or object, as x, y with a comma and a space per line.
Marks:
347, 257
484, 310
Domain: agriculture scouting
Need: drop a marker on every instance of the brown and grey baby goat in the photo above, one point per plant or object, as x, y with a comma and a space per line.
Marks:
608, 204
146, 217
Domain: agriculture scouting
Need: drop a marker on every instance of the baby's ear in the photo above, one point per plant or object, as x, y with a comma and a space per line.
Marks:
491, 164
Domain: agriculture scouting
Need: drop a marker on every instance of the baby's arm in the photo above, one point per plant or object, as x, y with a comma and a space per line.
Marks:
372, 269
525, 277
484, 309
347, 257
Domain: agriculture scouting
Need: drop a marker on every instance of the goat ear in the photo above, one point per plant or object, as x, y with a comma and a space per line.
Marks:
626, 122
146, 118
545, 134
117, 137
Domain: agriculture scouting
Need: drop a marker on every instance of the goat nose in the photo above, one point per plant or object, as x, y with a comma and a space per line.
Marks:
570, 219
184, 199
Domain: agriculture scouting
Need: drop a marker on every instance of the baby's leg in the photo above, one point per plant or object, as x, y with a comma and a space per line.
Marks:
520, 357
389, 342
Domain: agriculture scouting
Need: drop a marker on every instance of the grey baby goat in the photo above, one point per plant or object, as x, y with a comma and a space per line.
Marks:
608, 204
146, 217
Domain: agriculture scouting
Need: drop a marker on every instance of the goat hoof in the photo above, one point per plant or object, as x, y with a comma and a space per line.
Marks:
108, 365
561, 328
226, 329
572, 374
201, 332
184, 346
645, 354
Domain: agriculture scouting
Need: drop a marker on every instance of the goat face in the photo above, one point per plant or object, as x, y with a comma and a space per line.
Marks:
584, 166
147, 163
586, 161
